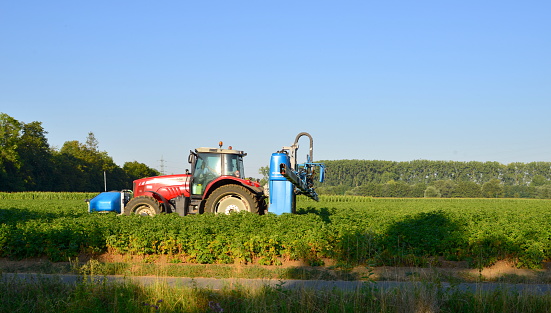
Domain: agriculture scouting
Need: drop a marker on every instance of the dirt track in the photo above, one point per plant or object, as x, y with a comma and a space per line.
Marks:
217, 284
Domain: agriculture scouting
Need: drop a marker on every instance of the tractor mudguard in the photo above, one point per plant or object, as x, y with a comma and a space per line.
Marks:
164, 202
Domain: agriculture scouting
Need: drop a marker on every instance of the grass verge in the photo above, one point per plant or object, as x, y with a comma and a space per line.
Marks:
51, 295
501, 272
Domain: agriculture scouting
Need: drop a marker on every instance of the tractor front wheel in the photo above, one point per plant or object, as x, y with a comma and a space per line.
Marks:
143, 205
231, 198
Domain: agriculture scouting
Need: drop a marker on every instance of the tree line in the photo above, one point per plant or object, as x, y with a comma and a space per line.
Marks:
425, 178
29, 163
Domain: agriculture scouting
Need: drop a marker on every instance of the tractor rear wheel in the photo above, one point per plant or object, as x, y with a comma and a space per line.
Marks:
231, 198
143, 205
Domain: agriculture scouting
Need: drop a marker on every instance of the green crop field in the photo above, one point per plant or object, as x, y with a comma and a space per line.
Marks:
349, 230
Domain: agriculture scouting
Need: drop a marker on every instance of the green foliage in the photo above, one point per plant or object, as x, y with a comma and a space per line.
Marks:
28, 163
425, 234
451, 178
333, 190
10, 162
349, 229
468, 189
265, 172
136, 170
492, 189
47, 195
432, 192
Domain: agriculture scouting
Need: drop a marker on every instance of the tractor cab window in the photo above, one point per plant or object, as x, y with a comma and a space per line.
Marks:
233, 165
207, 168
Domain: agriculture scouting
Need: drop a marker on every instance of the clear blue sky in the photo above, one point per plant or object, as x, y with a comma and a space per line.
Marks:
374, 80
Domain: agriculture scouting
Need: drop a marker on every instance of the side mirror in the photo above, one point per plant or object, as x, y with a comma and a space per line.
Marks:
191, 157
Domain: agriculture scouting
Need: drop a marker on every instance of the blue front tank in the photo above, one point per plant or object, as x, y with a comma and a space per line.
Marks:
282, 196
106, 202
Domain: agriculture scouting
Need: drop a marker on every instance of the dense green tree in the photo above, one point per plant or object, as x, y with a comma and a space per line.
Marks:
369, 189
332, 190
446, 188
492, 189
397, 189
95, 169
10, 162
136, 170
37, 169
466, 178
87, 172
519, 191
28, 163
355, 173
68, 173
432, 192
539, 180
92, 143
418, 190
543, 192
467, 189
265, 172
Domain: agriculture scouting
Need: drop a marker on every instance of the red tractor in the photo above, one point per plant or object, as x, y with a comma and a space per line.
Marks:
216, 184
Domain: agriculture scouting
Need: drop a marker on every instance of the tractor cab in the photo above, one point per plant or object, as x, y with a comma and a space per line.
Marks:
208, 164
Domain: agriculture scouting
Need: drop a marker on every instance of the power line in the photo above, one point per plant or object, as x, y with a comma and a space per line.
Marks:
162, 160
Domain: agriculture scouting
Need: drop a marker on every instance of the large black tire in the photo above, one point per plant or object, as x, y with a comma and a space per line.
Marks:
143, 205
231, 198
262, 206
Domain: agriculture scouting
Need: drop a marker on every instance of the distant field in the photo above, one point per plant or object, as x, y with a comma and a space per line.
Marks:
349, 230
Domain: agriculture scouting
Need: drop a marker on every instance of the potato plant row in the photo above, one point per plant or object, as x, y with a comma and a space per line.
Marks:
368, 232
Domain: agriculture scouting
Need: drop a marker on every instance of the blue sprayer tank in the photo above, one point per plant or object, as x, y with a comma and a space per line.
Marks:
107, 202
282, 196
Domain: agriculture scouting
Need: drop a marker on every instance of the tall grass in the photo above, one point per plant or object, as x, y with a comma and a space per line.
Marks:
47, 295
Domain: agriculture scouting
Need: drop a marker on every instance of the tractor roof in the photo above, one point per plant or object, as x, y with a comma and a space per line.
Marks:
217, 150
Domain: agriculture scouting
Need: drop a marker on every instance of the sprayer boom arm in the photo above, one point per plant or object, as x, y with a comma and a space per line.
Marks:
301, 184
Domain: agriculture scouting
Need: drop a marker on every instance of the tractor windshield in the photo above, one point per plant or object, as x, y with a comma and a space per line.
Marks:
210, 166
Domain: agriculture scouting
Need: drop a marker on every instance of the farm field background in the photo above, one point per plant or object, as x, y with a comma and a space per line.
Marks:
345, 230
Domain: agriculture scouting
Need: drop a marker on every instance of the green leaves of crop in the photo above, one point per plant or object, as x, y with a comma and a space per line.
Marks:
378, 231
